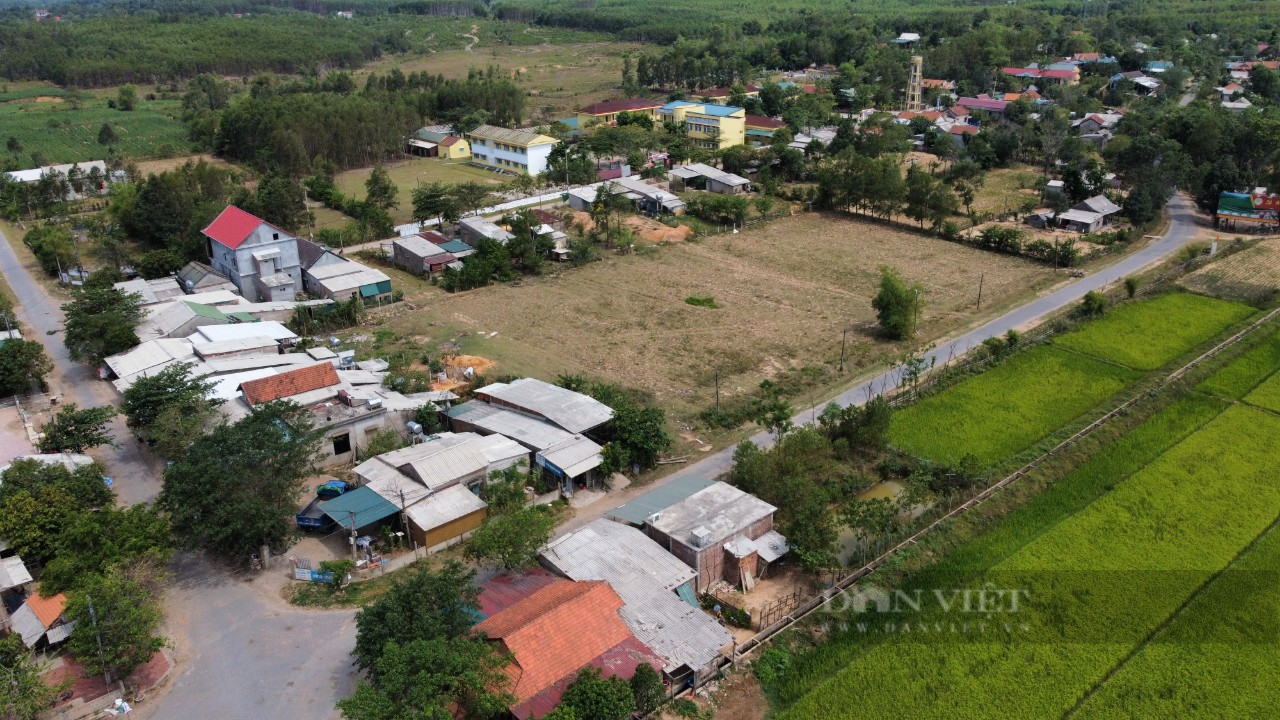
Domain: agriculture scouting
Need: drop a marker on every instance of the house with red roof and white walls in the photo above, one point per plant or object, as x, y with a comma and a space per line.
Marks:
258, 257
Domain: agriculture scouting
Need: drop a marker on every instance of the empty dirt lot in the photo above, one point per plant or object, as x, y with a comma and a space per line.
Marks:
785, 292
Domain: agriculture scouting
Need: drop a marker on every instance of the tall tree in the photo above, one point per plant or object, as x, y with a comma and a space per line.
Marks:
101, 323
147, 398
93, 541
23, 366
512, 541
432, 678
39, 500
425, 604
434, 200
116, 618
379, 189
897, 305
74, 430
236, 488
593, 697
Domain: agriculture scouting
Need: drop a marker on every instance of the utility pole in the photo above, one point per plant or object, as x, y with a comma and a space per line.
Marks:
981, 278
717, 388
844, 338
351, 518
404, 523
93, 617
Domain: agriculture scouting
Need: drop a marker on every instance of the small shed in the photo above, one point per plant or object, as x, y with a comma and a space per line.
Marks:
420, 253
40, 619
421, 148
445, 517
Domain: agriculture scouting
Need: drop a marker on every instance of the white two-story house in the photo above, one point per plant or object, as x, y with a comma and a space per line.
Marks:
258, 257
522, 151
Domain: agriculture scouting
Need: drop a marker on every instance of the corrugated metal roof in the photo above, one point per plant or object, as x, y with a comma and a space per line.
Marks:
523, 138
528, 431
149, 354
571, 410
152, 291
418, 246
487, 228
351, 281
645, 577
237, 345
608, 550
659, 498
219, 333
59, 633
721, 509
13, 572
573, 457
445, 506
362, 506
28, 627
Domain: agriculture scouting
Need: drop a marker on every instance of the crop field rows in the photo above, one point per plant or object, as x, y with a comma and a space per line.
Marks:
999, 413
1106, 556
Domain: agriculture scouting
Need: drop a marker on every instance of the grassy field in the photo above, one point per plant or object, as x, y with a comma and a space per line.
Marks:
559, 78
1004, 410
1096, 584
785, 290
49, 125
1147, 335
1217, 659
407, 174
1007, 189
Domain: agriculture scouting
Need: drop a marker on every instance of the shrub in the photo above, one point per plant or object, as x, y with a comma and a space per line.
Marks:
1093, 304
706, 302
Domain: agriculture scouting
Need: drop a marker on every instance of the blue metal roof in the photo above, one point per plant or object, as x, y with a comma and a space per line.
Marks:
707, 108
365, 505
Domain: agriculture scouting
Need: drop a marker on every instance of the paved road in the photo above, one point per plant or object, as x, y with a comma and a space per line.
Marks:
135, 472
243, 654
1182, 229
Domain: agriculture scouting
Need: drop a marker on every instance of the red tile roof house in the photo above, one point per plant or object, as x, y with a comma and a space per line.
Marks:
557, 631
346, 417
258, 257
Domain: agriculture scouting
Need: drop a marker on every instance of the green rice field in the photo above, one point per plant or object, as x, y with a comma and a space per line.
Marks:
1150, 334
1246, 372
1219, 658
1267, 394
1006, 409
1097, 584
1150, 573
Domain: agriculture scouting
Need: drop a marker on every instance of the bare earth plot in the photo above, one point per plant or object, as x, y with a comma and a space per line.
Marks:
785, 293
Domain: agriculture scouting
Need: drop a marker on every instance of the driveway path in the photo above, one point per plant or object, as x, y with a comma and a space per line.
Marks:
136, 473
1182, 228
